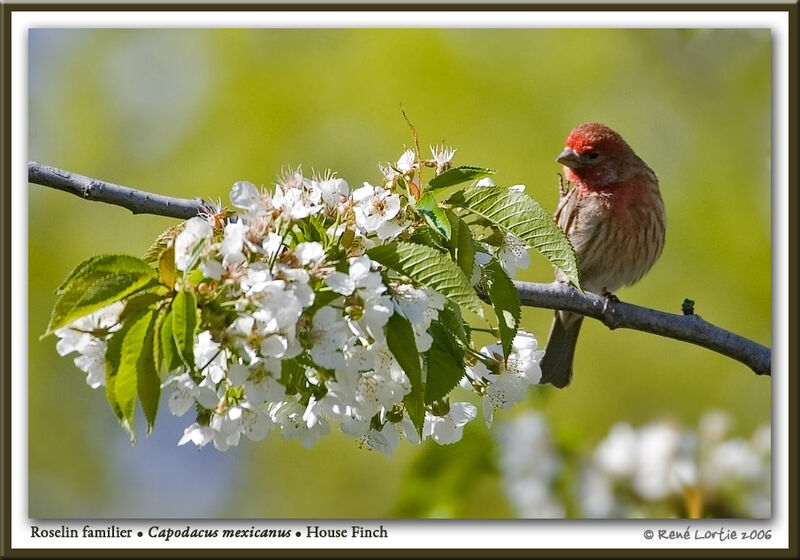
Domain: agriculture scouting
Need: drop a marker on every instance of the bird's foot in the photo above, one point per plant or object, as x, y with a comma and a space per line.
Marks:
610, 298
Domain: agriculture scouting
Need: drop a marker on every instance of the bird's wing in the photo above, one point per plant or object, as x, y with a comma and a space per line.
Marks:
583, 218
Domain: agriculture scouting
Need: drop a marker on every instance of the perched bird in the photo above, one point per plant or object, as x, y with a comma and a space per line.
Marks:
614, 217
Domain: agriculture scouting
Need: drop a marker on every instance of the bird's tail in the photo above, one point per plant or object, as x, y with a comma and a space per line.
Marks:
557, 362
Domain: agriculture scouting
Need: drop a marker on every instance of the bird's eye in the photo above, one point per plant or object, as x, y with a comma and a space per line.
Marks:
592, 155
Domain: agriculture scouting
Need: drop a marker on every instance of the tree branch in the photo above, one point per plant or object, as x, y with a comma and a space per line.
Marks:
614, 314
138, 202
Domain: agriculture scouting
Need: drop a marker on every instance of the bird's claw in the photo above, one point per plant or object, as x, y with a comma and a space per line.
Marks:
609, 298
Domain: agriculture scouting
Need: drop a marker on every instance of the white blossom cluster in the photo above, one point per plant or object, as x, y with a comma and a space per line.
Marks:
507, 381
642, 472
272, 296
87, 336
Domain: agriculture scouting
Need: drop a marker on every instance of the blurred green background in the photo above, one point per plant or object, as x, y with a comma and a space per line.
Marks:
189, 112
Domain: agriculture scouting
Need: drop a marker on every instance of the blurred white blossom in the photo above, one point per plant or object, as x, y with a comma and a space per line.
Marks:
530, 465
639, 472
663, 460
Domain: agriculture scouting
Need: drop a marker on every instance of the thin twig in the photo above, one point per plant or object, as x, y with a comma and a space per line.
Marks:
614, 314
138, 202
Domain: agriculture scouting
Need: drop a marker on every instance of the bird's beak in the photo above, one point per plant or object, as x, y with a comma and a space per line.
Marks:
569, 158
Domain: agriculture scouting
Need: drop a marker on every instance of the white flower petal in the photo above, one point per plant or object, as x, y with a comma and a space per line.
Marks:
274, 346
463, 412
340, 283
407, 161
363, 194
360, 269
212, 269
238, 374
196, 230
244, 194
391, 229
309, 252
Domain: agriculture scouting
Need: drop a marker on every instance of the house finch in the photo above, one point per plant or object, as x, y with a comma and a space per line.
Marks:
614, 217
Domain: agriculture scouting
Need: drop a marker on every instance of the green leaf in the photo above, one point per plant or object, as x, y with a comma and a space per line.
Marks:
430, 268
137, 304
347, 237
400, 340
517, 213
293, 374
450, 318
149, 382
184, 324
461, 243
158, 353
415, 407
135, 351
402, 343
96, 283
457, 175
168, 353
321, 299
445, 363
166, 267
316, 230
112, 360
426, 235
164, 240
434, 215
494, 239
77, 272
195, 277
505, 300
